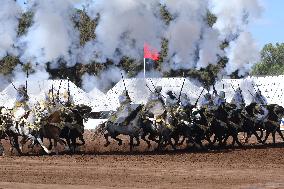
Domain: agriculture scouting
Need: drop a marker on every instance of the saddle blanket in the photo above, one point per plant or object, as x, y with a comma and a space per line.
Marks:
282, 124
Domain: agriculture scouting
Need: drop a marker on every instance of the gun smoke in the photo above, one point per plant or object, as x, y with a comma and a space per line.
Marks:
123, 27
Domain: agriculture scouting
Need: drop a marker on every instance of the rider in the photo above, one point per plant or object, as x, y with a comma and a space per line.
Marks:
22, 97
171, 100
219, 99
238, 99
259, 98
207, 101
156, 95
261, 101
123, 111
21, 105
155, 106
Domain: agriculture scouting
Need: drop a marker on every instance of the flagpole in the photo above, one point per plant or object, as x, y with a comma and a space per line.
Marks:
144, 68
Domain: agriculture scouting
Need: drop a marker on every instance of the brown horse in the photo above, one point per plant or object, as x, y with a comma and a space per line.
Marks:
51, 129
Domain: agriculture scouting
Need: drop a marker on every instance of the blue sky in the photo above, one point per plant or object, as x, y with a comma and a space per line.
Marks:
270, 28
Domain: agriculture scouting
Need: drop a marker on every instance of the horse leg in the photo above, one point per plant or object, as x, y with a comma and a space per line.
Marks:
266, 136
74, 145
82, 140
137, 140
117, 139
261, 133
68, 147
181, 142
2, 151
258, 137
131, 143
280, 133
106, 138
50, 144
273, 136
236, 139
160, 142
143, 137
172, 144
15, 144
225, 140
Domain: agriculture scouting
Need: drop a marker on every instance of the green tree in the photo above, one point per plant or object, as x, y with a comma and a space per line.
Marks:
272, 60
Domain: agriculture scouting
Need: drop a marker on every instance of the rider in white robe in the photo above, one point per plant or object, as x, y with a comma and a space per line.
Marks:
238, 99
261, 101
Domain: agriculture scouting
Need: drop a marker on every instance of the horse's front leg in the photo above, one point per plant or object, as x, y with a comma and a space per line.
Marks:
106, 135
131, 143
50, 144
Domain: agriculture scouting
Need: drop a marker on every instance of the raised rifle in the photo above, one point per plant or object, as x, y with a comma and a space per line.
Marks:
27, 81
149, 88
53, 102
14, 86
181, 88
124, 83
68, 90
58, 91
198, 97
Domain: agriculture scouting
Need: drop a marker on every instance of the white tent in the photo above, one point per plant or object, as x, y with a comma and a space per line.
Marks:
38, 89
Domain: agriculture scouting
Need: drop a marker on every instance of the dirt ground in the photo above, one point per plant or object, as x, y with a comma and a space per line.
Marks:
254, 166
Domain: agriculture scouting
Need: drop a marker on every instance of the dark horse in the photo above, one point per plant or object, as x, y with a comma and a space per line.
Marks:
68, 124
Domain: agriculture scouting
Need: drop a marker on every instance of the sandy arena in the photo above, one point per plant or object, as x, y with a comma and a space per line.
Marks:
253, 166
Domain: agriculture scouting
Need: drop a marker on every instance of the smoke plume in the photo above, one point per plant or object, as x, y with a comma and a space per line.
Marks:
52, 35
10, 13
124, 26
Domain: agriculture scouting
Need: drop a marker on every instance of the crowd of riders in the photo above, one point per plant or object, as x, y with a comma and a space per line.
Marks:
28, 121
212, 118
166, 118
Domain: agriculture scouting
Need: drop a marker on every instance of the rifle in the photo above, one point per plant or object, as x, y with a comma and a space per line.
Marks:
214, 89
68, 90
58, 91
232, 87
14, 86
123, 81
27, 81
199, 97
250, 93
53, 102
181, 88
149, 88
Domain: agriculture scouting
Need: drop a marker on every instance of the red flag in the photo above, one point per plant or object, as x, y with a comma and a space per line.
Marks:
150, 53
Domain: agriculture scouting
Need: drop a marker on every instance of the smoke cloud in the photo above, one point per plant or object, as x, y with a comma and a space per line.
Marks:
124, 26
104, 81
52, 35
234, 16
10, 12
243, 54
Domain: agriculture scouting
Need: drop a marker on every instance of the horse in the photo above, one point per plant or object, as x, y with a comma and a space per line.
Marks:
130, 127
21, 127
271, 124
75, 126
